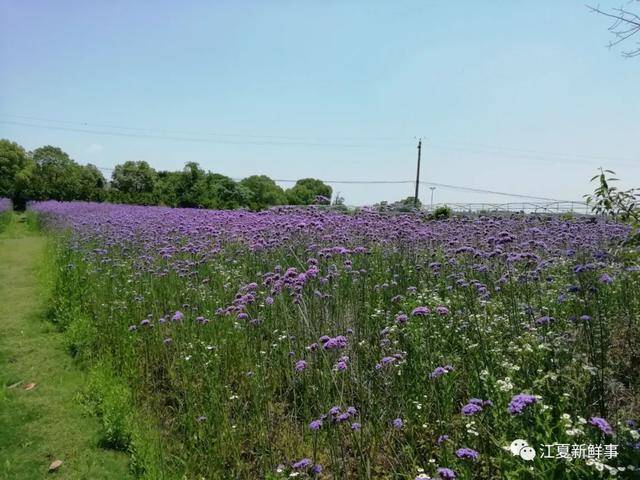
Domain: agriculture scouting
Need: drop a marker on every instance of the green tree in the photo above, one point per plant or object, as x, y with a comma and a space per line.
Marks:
226, 194
192, 187
56, 177
134, 182
264, 192
91, 184
165, 192
13, 159
309, 191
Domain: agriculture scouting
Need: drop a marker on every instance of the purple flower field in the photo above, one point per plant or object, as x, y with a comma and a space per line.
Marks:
315, 344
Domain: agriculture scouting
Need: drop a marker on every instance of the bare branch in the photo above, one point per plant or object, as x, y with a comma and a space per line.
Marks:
625, 24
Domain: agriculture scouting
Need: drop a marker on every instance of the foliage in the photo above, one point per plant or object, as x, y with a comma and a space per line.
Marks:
49, 173
442, 212
133, 182
13, 159
613, 202
264, 192
309, 191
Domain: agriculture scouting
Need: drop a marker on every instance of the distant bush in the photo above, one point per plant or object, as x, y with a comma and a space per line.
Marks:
442, 212
608, 200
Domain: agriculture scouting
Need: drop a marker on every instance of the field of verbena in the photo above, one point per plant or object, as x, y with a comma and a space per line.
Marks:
316, 344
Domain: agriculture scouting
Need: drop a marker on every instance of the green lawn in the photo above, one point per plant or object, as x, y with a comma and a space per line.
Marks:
46, 423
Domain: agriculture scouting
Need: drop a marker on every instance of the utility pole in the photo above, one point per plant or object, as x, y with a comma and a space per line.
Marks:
432, 189
415, 199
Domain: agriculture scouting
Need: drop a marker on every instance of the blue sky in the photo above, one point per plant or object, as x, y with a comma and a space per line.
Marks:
518, 97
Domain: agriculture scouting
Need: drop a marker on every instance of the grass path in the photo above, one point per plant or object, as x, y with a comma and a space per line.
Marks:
45, 423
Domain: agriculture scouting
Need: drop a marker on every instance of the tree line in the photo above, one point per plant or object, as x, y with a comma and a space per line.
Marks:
48, 173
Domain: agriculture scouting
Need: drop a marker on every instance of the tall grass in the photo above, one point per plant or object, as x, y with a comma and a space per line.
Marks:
333, 346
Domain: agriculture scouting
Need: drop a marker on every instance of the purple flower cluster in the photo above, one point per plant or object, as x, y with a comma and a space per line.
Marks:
467, 453
446, 473
439, 371
301, 365
601, 424
334, 343
307, 465
421, 311
521, 401
475, 405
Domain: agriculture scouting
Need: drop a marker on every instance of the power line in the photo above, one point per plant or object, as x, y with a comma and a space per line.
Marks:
492, 192
276, 140
172, 133
473, 147
192, 139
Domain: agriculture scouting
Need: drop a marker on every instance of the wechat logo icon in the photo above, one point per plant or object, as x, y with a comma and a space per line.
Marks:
521, 447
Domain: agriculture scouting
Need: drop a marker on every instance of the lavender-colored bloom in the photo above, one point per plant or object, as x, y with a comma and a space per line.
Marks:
178, 316
585, 318
316, 469
340, 366
301, 365
401, 318
398, 423
467, 453
334, 411
336, 343
519, 402
343, 417
352, 411
470, 409
355, 426
545, 320
446, 473
421, 311
606, 278
316, 425
441, 310
387, 360
302, 464
602, 424
439, 371
442, 439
